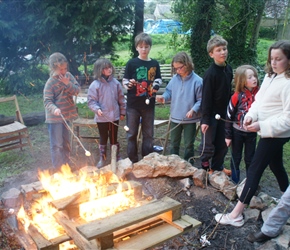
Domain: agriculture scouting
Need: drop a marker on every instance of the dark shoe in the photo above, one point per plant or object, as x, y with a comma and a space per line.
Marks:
205, 165
258, 237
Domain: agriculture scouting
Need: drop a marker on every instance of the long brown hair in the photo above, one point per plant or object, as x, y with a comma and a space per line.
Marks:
241, 77
284, 45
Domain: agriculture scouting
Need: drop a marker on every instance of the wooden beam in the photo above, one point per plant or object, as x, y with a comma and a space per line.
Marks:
106, 226
70, 228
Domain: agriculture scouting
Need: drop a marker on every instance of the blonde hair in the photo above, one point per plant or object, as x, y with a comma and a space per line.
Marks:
183, 58
215, 41
241, 77
100, 65
284, 45
55, 60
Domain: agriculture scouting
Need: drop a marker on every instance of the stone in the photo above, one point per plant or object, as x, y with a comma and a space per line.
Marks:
154, 165
124, 167
257, 202
251, 214
199, 178
12, 198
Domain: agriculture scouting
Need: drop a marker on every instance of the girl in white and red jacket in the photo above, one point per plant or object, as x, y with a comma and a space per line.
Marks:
246, 87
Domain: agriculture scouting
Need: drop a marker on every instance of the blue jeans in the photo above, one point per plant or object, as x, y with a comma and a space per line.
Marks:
60, 149
188, 135
278, 216
134, 117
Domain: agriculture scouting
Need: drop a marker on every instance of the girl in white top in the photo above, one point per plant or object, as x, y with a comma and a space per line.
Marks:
269, 115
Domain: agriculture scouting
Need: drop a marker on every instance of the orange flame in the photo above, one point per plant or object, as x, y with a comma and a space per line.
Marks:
102, 201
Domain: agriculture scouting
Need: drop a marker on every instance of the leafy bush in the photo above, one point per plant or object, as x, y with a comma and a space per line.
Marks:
267, 33
25, 82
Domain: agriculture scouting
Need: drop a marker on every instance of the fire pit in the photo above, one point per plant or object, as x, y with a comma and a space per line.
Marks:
95, 210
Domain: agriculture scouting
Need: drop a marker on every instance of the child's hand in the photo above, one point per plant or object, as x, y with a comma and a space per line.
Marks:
204, 128
132, 83
247, 121
189, 114
228, 142
254, 127
100, 112
57, 112
160, 98
64, 79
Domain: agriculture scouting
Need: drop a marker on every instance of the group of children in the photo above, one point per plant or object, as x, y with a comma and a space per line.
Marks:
193, 99
227, 119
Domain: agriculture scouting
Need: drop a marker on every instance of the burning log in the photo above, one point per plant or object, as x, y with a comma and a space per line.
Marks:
70, 228
83, 196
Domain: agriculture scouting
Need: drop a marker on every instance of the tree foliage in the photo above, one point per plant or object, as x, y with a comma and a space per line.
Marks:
81, 30
238, 21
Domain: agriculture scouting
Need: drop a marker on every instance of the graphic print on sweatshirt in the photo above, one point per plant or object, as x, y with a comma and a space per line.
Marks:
145, 79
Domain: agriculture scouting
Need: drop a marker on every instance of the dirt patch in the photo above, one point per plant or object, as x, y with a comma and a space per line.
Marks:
202, 204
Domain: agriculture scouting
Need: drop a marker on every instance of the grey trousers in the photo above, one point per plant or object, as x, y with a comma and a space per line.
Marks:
278, 216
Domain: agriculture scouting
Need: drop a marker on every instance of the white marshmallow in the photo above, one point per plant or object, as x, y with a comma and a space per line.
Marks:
217, 116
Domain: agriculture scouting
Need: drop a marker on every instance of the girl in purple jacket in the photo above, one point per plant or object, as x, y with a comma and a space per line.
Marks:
107, 101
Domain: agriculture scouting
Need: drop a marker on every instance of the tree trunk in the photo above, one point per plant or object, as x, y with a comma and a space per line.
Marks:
257, 23
138, 25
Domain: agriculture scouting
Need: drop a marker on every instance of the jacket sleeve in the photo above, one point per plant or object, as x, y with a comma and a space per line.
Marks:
198, 96
48, 96
93, 97
121, 99
207, 99
168, 92
73, 88
230, 116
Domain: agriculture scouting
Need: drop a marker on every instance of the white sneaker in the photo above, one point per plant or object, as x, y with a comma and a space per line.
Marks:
225, 219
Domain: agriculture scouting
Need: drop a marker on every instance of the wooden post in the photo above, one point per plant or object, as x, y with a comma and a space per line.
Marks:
114, 158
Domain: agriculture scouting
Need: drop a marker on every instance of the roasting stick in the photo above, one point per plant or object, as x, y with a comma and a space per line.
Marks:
88, 153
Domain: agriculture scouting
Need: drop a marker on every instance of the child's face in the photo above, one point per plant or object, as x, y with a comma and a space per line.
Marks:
219, 54
107, 71
61, 69
252, 80
143, 50
180, 69
279, 61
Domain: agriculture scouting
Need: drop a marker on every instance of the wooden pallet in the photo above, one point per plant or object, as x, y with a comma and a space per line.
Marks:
143, 227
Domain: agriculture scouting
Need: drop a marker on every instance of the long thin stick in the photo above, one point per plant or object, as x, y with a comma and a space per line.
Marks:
69, 128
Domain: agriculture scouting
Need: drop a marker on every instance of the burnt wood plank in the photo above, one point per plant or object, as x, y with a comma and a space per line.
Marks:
70, 228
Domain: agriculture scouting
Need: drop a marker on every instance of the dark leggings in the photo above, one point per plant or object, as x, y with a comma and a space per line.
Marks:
108, 129
269, 152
